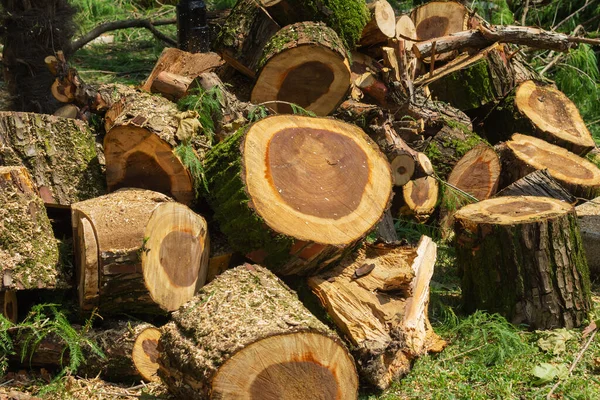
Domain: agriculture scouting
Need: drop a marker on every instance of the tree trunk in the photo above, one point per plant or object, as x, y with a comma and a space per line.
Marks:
523, 155
60, 154
523, 258
8, 305
543, 112
382, 25
149, 144
28, 249
378, 299
588, 215
540, 184
138, 252
325, 187
305, 64
211, 348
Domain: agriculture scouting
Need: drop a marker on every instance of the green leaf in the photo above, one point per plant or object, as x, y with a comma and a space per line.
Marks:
544, 373
555, 341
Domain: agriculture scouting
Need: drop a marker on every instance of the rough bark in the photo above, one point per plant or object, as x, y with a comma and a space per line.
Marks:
60, 154
540, 184
246, 314
310, 207
523, 155
138, 252
305, 64
523, 258
378, 299
588, 215
28, 249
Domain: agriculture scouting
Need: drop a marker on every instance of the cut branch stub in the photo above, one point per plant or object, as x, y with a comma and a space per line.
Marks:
310, 188
524, 154
523, 258
305, 64
137, 251
211, 347
477, 172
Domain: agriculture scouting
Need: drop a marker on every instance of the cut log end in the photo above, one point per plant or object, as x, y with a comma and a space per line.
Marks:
145, 354
477, 172
420, 197
437, 18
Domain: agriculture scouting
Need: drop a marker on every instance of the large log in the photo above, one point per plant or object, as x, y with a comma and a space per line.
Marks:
541, 111
246, 335
305, 64
28, 250
149, 144
382, 25
60, 154
296, 193
523, 258
138, 252
378, 299
525, 154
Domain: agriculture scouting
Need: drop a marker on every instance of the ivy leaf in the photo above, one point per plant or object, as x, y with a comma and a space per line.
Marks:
555, 341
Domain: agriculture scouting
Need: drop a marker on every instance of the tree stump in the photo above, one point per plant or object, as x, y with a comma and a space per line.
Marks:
382, 25
305, 64
541, 111
211, 347
523, 258
296, 193
8, 305
28, 249
538, 183
525, 154
138, 252
60, 154
378, 299
150, 145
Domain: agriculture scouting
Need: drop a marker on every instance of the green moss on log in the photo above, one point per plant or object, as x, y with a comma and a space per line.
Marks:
347, 17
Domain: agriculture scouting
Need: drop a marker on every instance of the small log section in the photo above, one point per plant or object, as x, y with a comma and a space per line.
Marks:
477, 172
138, 252
9, 307
60, 154
382, 25
305, 64
143, 146
538, 183
525, 154
523, 258
378, 299
302, 192
182, 63
544, 112
420, 198
28, 249
211, 347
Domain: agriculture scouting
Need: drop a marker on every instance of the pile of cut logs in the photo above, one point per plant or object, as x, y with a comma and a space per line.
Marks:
430, 110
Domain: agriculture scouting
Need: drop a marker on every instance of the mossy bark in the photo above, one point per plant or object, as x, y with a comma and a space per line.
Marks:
28, 250
240, 308
533, 273
60, 154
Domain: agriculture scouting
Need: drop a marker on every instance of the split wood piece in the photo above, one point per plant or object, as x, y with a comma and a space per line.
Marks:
382, 25
130, 350
8, 305
420, 198
390, 60
171, 86
485, 36
362, 63
588, 215
246, 32
152, 267
523, 155
378, 299
373, 87
305, 64
541, 111
182, 63
477, 172
297, 193
28, 249
60, 154
523, 258
149, 144
211, 347
538, 183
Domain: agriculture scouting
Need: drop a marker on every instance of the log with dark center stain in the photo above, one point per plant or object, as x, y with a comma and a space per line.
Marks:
139, 166
420, 191
150, 347
519, 208
180, 258
304, 85
552, 161
317, 172
299, 380
551, 107
432, 27
475, 179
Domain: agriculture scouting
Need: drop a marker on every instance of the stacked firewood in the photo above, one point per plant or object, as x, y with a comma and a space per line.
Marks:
429, 109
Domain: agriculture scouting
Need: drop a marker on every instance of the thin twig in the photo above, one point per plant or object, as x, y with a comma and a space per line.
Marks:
574, 364
7, 382
525, 10
559, 55
464, 353
587, 3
